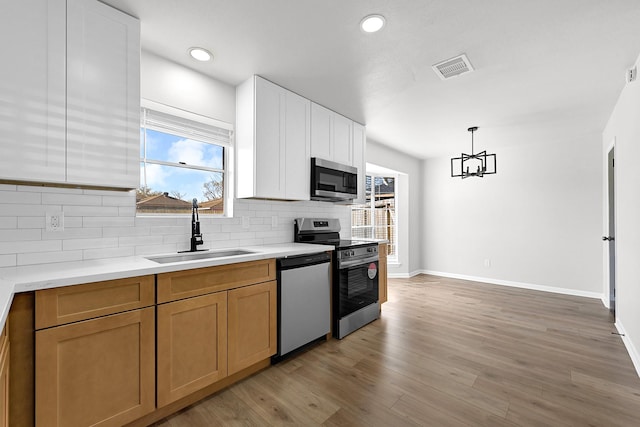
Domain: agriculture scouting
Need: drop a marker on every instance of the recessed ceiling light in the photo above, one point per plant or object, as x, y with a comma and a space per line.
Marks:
372, 23
200, 54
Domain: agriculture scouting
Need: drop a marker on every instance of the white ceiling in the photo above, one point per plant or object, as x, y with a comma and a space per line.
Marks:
546, 70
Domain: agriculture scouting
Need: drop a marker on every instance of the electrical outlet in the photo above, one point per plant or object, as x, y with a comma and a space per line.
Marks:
487, 262
245, 222
54, 221
274, 221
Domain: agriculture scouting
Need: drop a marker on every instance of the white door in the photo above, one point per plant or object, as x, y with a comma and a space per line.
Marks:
103, 95
32, 90
269, 130
342, 140
321, 132
297, 147
612, 230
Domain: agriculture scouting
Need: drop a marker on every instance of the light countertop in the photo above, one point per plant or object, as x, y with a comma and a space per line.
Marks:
44, 276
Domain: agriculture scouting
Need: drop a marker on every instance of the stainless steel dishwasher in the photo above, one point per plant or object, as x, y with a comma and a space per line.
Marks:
304, 301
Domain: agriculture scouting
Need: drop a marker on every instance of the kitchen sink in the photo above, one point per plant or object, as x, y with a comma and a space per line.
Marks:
166, 259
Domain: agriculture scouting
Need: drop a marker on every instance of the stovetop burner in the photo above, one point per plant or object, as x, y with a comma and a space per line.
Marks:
326, 232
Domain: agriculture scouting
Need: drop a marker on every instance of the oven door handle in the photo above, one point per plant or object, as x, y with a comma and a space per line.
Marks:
361, 261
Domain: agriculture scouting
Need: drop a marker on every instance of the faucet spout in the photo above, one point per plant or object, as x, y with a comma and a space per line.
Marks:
196, 236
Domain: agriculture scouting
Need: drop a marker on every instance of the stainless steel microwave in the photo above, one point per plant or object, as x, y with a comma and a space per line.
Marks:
331, 181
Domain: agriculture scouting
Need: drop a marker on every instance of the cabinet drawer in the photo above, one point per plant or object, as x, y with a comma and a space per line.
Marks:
68, 304
189, 283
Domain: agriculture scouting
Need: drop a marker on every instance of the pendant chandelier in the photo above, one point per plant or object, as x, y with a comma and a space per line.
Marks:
474, 164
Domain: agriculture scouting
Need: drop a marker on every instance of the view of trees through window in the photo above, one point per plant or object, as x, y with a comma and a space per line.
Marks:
376, 219
175, 169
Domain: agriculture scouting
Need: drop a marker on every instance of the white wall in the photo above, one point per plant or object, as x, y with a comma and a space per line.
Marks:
624, 127
537, 222
168, 83
409, 205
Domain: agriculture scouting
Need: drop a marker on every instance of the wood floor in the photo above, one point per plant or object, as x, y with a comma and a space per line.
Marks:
447, 352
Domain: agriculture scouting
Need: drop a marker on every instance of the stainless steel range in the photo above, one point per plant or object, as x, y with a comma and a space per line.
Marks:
355, 273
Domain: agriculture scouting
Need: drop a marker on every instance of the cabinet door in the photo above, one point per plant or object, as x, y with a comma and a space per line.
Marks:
269, 152
252, 325
32, 90
321, 132
192, 340
4, 380
382, 273
98, 372
296, 147
341, 139
359, 142
103, 95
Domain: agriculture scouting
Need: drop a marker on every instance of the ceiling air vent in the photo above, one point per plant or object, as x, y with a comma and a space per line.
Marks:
453, 67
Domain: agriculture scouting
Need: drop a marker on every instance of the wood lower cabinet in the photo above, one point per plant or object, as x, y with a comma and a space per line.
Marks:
192, 345
253, 321
211, 335
382, 272
97, 345
97, 372
4, 378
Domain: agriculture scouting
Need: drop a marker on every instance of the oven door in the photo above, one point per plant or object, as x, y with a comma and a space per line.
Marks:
357, 285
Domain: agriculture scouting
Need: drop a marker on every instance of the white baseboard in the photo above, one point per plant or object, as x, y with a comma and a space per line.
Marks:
564, 291
403, 275
631, 349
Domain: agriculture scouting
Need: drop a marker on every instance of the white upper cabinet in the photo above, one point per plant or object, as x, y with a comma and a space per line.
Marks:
103, 95
272, 141
69, 104
330, 135
342, 148
321, 132
297, 147
32, 90
359, 148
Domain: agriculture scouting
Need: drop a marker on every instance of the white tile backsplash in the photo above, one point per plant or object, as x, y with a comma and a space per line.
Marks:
102, 224
8, 260
10, 222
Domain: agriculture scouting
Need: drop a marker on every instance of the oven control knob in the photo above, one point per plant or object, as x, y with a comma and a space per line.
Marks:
371, 250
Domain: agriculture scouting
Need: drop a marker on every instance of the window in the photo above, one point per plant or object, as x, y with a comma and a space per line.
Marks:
376, 219
182, 159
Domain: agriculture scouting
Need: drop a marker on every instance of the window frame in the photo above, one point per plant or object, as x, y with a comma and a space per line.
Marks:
227, 170
371, 208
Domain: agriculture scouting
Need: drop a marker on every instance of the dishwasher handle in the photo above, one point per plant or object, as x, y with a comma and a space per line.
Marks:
298, 261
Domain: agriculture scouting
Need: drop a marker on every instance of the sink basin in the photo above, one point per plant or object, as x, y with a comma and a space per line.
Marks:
190, 256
